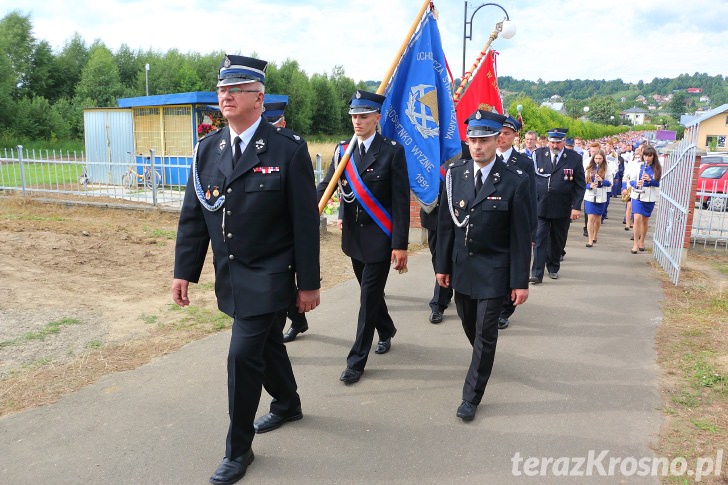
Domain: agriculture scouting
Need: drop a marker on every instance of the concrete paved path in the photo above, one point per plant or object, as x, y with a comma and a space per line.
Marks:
574, 374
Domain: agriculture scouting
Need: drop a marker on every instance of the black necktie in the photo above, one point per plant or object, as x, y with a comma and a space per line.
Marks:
362, 152
478, 181
236, 150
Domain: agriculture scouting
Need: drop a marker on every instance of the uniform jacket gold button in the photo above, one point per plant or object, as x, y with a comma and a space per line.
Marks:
231, 257
229, 213
229, 235
229, 190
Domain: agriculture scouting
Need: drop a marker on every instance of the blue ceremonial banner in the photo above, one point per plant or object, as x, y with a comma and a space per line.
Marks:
419, 112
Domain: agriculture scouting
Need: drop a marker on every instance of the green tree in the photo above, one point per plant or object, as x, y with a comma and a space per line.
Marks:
17, 43
676, 106
601, 109
344, 87
100, 78
327, 108
296, 85
37, 121
42, 79
70, 63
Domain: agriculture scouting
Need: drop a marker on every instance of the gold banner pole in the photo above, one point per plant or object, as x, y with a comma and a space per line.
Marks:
345, 159
476, 64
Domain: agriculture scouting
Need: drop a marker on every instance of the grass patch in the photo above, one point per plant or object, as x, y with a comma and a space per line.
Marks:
149, 319
161, 233
705, 425
94, 344
691, 346
204, 319
49, 329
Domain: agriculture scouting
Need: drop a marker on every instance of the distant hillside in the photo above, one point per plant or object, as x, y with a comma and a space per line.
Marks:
714, 87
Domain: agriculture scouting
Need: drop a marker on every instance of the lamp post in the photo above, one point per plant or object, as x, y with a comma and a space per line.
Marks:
505, 26
146, 77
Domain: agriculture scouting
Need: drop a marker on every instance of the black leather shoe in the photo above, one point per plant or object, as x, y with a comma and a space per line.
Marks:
435, 317
230, 471
271, 421
383, 346
553, 276
466, 411
350, 376
293, 332
586, 234
502, 323
535, 281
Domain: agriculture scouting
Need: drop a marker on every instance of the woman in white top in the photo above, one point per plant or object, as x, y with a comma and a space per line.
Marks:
631, 169
598, 183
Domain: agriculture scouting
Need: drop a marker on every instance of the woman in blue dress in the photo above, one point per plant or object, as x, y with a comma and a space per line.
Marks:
598, 182
645, 191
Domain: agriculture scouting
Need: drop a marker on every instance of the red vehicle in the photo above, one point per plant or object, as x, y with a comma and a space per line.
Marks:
713, 182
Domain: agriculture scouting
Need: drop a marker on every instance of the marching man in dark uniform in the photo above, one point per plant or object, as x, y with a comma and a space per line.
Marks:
251, 195
375, 193
483, 246
274, 113
560, 186
513, 158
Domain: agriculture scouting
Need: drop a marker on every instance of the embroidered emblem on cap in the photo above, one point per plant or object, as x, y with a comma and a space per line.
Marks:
358, 95
226, 62
478, 115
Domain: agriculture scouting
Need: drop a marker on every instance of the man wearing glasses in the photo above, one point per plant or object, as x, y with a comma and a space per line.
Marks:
251, 195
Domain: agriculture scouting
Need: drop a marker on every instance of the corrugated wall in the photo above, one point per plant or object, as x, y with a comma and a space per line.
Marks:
109, 135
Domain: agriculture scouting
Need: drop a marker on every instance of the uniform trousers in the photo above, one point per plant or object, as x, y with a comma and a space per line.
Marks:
440, 296
373, 313
480, 322
257, 358
551, 237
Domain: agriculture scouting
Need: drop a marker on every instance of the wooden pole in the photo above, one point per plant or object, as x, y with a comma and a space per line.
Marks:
476, 64
345, 159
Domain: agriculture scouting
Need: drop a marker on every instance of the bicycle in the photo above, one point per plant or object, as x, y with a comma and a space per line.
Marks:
132, 178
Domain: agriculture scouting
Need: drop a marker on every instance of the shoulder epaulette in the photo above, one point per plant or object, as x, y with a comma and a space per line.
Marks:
457, 163
516, 170
289, 134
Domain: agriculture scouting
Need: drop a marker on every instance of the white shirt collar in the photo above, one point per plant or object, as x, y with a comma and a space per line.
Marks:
484, 171
506, 154
368, 142
245, 136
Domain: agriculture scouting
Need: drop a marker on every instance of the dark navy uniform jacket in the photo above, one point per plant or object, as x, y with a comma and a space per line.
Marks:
271, 236
525, 164
384, 172
495, 255
561, 188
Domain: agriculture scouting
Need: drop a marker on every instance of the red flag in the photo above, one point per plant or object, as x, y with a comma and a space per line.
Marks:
481, 93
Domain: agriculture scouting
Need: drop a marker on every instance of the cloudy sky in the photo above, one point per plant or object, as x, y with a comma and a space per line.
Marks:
556, 39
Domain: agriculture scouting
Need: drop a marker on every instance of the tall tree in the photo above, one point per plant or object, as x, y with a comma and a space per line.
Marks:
18, 43
676, 106
70, 63
327, 108
100, 78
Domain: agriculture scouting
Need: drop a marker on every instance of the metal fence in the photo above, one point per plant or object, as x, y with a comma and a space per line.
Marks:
143, 179
710, 220
675, 204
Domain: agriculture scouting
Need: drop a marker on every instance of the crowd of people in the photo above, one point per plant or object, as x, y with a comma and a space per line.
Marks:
502, 221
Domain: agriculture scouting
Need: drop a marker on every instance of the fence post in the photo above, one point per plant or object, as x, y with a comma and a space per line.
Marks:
319, 173
22, 168
153, 177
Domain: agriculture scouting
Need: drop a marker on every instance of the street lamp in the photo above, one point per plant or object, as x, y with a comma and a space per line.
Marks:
505, 27
586, 110
146, 77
